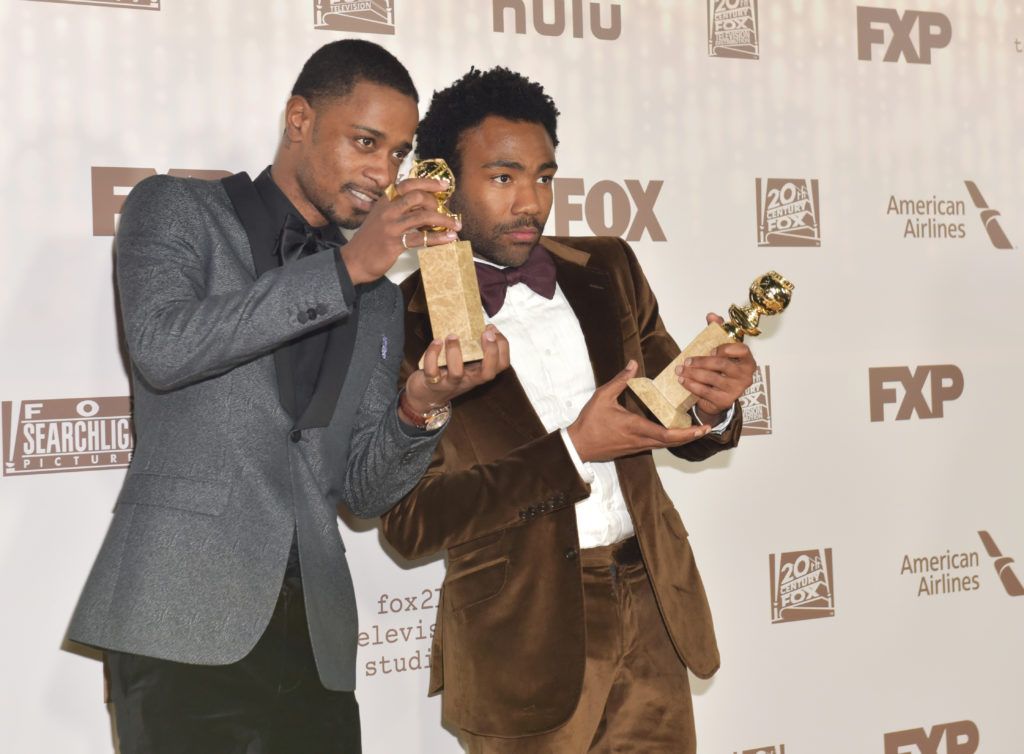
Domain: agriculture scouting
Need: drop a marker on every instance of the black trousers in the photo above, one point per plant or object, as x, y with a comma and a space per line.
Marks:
270, 702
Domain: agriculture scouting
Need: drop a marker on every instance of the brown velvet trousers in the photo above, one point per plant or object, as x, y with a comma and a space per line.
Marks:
636, 694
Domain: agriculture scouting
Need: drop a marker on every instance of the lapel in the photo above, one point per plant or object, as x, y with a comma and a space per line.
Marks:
351, 356
339, 360
262, 242
590, 294
340, 336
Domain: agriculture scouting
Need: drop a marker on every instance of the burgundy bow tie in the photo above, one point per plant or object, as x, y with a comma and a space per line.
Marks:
537, 272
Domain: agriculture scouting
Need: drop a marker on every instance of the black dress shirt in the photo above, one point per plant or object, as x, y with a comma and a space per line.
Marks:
306, 353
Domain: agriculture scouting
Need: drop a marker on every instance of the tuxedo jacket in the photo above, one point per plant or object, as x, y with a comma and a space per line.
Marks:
499, 497
222, 476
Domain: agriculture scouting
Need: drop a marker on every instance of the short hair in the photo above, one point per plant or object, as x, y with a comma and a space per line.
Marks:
336, 68
476, 96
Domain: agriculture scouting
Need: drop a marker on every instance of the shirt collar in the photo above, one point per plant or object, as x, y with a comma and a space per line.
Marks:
279, 206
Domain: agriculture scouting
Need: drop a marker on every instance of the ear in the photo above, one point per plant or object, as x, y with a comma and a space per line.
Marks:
299, 117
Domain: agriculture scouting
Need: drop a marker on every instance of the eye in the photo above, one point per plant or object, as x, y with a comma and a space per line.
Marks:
546, 179
400, 154
365, 141
503, 178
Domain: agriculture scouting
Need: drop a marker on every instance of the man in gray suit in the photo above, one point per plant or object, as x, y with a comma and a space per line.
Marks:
265, 353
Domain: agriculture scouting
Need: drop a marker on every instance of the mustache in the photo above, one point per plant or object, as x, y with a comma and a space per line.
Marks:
526, 222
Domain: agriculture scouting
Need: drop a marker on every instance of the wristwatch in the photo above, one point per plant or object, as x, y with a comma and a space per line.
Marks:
431, 421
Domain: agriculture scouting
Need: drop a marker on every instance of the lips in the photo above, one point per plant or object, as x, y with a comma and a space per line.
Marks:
523, 235
363, 199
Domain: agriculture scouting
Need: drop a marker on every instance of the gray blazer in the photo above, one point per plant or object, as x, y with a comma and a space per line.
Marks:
191, 567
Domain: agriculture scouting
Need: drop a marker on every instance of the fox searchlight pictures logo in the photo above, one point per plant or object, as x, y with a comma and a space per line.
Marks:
67, 434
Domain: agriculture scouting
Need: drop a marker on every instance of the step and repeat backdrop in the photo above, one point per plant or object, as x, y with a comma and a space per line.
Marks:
858, 547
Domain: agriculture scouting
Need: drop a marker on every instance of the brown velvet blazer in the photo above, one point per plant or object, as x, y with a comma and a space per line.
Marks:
509, 648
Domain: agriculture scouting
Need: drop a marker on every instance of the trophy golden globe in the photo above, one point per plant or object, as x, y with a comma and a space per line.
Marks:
669, 401
449, 276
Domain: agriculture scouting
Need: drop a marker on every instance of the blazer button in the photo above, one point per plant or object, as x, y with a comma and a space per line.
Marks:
570, 554
522, 515
311, 313
301, 316
321, 308
295, 435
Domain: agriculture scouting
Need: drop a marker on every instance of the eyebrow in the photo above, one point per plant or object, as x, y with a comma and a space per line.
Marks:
513, 165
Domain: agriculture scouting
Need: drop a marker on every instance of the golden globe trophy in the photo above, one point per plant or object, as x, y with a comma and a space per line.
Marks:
449, 276
669, 401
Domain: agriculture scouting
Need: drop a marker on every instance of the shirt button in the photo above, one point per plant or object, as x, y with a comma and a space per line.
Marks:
570, 554
295, 435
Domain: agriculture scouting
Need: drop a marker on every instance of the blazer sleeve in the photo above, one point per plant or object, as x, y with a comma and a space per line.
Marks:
455, 502
386, 456
459, 499
177, 332
659, 349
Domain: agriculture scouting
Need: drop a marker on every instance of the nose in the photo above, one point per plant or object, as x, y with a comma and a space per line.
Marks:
527, 199
380, 170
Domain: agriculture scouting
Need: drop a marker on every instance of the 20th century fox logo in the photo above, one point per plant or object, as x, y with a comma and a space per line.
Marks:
373, 16
732, 29
788, 212
67, 434
802, 585
756, 403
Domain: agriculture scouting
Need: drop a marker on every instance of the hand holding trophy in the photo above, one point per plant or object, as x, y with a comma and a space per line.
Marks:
669, 401
449, 277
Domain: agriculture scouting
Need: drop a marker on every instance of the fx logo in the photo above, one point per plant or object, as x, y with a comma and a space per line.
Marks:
933, 32
960, 738
107, 199
610, 209
947, 384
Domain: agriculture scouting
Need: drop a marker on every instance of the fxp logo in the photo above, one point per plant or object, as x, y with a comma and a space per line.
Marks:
934, 32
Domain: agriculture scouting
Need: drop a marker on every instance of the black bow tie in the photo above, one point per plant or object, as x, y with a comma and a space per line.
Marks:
298, 240
537, 272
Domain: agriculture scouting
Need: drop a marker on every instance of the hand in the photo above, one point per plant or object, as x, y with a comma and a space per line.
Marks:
433, 386
604, 430
379, 242
719, 379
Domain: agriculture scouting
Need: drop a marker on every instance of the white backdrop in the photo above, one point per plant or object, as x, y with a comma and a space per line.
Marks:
704, 115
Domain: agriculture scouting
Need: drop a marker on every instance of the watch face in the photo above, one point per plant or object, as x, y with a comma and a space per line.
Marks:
438, 417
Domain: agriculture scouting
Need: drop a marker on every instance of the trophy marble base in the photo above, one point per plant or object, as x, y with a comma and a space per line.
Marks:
453, 296
669, 401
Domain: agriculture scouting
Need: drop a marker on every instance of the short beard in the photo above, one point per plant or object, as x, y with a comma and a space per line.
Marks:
486, 243
326, 208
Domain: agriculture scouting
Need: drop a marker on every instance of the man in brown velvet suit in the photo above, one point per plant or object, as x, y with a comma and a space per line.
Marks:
572, 606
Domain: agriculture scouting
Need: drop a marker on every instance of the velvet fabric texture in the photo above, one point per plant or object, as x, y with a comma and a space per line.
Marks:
509, 650
636, 695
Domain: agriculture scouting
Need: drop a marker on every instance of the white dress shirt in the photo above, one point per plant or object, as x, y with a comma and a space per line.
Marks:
550, 356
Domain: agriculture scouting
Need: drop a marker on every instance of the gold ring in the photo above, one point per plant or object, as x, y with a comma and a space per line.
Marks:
434, 380
391, 192
403, 243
